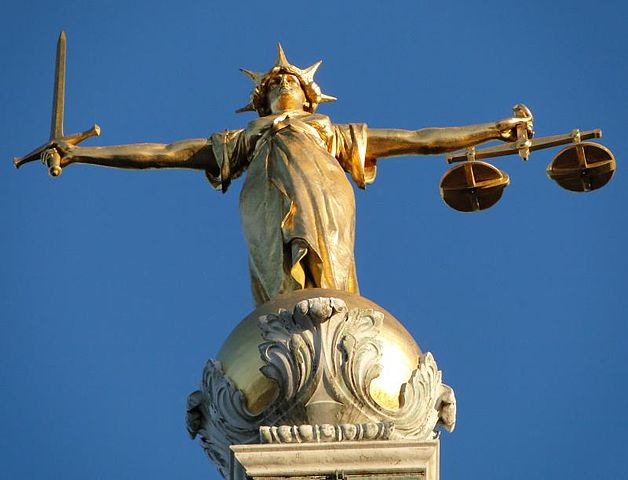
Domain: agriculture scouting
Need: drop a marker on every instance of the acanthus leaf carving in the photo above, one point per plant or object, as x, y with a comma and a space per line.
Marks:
418, 399
323, 348
323, 357
218, 414
289, 352
357, 355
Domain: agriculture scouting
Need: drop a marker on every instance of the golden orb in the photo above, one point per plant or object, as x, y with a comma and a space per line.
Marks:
241, 360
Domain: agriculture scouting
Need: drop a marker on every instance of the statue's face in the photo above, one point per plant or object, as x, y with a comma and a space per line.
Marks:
284, 92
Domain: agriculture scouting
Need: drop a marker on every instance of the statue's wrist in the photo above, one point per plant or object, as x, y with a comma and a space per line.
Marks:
495, 131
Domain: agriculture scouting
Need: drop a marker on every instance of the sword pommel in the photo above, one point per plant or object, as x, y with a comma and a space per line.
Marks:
52, 158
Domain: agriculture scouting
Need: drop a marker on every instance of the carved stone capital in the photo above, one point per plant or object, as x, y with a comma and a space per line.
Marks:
323, 357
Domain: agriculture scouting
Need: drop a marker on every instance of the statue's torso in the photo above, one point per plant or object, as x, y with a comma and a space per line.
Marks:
296, 191
297, 204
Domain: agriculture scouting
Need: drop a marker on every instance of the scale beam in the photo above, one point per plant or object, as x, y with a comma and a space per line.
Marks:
535, 144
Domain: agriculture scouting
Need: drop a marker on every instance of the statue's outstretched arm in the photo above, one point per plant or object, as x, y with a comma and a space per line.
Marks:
384, 142
195, 154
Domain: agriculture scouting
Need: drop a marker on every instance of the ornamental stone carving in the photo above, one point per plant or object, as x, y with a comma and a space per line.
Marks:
326, 433
323, 357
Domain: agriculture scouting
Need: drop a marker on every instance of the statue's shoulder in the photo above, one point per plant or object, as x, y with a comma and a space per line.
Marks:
321, 123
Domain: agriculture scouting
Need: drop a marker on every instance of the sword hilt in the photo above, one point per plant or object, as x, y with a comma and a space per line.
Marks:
52, 158
77, 138
40, 151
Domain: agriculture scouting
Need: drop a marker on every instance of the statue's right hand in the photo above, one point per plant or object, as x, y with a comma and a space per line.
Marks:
57, 157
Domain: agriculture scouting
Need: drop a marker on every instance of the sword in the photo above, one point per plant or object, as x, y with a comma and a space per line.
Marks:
46, 152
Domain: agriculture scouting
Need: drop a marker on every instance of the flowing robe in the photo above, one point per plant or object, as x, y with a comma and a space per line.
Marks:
297, 206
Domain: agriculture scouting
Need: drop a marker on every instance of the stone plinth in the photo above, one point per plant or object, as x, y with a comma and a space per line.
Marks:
319, 381
398, 460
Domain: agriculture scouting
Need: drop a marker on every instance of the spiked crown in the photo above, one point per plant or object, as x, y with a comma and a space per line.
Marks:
312, 91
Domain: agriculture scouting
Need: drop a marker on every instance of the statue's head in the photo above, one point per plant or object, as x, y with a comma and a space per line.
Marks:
284, 85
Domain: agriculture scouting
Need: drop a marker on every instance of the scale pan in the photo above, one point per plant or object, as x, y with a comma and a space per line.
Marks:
582, 167
473, 186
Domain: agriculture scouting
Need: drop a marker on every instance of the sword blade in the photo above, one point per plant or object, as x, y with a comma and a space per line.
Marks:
56, 126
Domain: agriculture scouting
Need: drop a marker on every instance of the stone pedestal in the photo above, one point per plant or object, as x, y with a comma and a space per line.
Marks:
394, 460
318, 383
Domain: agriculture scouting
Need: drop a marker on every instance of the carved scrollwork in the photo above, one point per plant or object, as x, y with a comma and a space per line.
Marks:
290, 352
358, 352
323, 357
421, 397
218, 414
324, 354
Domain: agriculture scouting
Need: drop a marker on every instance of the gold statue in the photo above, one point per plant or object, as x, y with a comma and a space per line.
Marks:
297, 205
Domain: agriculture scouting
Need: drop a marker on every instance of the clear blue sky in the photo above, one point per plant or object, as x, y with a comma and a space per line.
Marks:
117, 286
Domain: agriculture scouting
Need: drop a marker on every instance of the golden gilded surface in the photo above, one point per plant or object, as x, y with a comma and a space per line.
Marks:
582, 167
241, 361
473, 186
51, 157
579, 167
297, 205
